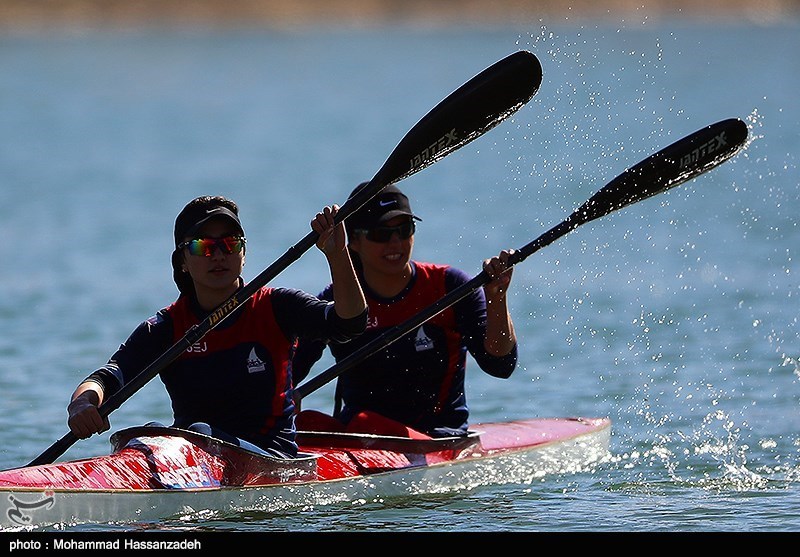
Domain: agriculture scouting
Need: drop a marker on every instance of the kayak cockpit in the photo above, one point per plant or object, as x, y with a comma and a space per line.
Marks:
178, 458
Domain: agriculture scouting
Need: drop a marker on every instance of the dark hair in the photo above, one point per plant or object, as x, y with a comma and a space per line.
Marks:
189, 220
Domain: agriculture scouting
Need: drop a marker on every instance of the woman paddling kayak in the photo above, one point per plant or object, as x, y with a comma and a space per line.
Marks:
415, 386
236, 383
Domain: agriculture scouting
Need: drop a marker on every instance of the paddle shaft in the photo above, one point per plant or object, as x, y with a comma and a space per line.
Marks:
683, 160
470, 111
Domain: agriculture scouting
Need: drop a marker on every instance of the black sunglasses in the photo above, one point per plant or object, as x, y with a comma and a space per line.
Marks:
383, 234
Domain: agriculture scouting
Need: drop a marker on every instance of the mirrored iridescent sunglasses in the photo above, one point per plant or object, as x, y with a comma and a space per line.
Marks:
206, 246
383, 234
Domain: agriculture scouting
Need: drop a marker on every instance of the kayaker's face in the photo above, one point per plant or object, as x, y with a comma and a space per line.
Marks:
215, 272
386, 251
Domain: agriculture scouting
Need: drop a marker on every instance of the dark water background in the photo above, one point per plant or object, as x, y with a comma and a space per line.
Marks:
676, 317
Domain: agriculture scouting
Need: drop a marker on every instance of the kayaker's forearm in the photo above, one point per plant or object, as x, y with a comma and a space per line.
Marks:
91, 391
84, 417
500, 336
347, 294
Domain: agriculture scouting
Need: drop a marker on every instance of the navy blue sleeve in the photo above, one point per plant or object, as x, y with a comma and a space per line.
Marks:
300, 314
309, 350
308, 353
146, 343
471, 322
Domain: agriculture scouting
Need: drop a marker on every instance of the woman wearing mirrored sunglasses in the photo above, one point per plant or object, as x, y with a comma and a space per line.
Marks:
235, 383
415, 386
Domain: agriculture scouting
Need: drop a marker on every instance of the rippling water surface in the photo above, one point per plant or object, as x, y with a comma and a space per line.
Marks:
676, 317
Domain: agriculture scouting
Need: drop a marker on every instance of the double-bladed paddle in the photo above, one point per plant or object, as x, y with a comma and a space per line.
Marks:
685, 159
467, 113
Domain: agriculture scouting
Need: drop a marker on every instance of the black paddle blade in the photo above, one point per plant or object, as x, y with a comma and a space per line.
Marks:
685, 159
467, 113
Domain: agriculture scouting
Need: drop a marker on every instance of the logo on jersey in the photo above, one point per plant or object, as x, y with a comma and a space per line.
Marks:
198, 347
422, 342
254, 363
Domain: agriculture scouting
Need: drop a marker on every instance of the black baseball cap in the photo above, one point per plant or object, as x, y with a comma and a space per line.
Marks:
390, 202
193, 217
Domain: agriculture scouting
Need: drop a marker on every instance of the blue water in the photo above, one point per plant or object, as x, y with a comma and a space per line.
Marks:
675, 317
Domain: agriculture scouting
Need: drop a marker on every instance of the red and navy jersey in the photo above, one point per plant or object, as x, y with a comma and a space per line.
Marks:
419, 379
238, 376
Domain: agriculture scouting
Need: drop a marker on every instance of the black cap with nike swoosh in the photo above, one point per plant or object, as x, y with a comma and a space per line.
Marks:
389, 203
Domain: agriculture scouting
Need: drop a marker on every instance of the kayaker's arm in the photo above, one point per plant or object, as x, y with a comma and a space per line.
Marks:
84, 418
500, 337
348, 297
142, 346
486, 326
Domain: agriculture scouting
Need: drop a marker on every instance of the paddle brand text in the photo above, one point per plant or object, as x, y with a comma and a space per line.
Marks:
223, 311
704, 150
429, 154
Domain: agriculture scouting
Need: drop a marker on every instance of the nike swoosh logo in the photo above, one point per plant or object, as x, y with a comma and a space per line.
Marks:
385, 203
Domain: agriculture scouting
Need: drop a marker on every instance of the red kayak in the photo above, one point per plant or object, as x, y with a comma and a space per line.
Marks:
159, 473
